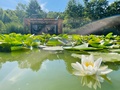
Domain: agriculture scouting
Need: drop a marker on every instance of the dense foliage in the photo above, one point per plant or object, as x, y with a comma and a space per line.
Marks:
77, 15
74, 16
11, 42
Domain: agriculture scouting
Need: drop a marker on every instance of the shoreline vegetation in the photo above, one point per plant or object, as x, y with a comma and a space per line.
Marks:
74, 16
14, 42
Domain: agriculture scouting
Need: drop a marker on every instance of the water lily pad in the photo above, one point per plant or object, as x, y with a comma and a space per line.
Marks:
5, 47
17, 48
53, 48
115, 50
106, 57
42, 46
82, 47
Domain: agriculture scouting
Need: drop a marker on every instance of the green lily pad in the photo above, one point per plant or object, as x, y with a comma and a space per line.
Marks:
81, 47
106, 57
115, 50
17, 48
55, 48
5, 47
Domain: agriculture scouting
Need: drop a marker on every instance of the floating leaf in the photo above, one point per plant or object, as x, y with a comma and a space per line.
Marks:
109, 35
53, 48
17, 48
53, 42
73, 42
107, 57
5, 47
82, 47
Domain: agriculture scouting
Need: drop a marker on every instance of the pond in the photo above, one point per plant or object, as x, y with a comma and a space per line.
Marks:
49, 70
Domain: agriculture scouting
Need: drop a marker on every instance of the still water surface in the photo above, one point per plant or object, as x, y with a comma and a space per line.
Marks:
44, 70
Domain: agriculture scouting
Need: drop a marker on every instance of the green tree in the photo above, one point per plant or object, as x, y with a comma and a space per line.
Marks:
113, 9
13, 27
55, 15
2, 27
85, 3
95, 9
6, 18
52, 14
71, 9
1, 14
12, 16
73, 14
34, 9
21, 11
80, 10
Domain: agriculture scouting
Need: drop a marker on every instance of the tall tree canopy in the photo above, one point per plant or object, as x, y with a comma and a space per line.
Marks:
113, 8
34, 9
95, 9
74, 16
21, 11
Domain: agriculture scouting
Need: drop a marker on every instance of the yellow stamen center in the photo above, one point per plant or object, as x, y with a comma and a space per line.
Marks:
88, 64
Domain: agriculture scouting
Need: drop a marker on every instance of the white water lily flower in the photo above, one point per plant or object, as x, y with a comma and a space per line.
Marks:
90, 67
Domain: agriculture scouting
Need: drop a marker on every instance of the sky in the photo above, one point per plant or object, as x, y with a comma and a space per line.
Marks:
46, 5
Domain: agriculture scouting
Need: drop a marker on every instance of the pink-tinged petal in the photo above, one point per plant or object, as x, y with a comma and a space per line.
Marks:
97, 63
77, 66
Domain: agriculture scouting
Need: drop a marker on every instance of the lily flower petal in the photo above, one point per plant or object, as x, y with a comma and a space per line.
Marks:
98, 62
78, 73
106, 71
77, 66
91, 58
90, 67
103, 68
83, 59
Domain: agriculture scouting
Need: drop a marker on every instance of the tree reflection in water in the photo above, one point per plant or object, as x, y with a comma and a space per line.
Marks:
35, 58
